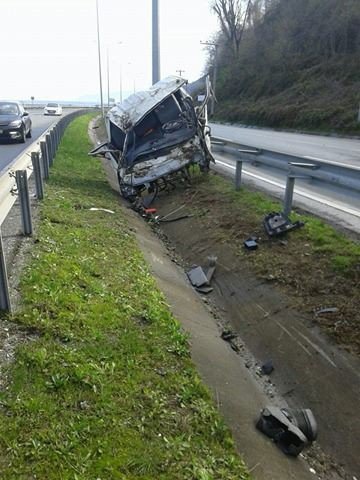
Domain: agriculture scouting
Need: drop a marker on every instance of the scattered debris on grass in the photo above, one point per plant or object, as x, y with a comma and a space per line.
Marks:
276, 223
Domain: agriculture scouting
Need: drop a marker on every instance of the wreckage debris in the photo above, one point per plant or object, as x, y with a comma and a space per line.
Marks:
291, 429
277, 224
267, 367
326, 310
96, 209
201, 279
204, 289
251, 243
211, 268
197, 277
228, 335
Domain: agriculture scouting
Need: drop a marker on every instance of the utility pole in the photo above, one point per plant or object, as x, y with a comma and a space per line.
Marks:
155, 42
215, 67
180, 72
99, 55
108, 76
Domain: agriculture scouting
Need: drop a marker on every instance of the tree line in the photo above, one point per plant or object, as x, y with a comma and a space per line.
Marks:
265, 45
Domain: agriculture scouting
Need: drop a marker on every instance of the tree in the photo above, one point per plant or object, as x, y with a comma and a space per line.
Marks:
232, 20
32, 99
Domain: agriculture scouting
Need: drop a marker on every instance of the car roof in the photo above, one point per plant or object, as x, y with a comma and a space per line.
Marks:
133, 109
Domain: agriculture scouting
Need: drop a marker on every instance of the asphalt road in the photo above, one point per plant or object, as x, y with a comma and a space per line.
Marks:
40, 122
312, 147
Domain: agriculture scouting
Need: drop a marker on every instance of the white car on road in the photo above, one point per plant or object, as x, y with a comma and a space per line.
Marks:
53, 109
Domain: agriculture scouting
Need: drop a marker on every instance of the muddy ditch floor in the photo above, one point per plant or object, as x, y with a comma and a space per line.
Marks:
270, 298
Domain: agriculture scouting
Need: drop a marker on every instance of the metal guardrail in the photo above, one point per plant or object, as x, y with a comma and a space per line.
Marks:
37, 158
344, 176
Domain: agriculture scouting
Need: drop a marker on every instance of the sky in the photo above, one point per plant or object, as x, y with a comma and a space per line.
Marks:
48, 48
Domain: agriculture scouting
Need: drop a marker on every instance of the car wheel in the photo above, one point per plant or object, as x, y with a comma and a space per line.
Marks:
29, 133
23, 135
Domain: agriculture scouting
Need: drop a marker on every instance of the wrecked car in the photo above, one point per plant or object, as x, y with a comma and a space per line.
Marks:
156, 135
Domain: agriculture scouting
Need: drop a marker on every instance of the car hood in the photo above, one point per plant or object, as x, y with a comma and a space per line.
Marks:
9, 118
130, 112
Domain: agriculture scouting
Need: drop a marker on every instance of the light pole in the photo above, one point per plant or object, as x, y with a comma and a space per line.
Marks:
155, 42
99, 56
108, 76
216, 45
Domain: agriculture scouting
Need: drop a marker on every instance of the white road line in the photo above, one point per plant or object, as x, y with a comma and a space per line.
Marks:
316, 347
294, 338
302, 193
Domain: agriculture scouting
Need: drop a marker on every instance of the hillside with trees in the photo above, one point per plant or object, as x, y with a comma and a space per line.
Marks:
288, 63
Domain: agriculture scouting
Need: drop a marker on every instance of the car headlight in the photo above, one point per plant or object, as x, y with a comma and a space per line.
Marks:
15, 123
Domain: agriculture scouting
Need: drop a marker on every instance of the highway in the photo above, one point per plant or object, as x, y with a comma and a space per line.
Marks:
40, 122
311, 147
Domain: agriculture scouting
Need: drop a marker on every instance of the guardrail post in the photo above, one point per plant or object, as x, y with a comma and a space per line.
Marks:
23, 189
238, 173
5, 303
49, 148
289, 192
35, 158
53, 142
57, 135
45, 158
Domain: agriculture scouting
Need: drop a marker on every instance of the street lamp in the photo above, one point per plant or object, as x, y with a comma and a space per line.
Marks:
99, 56
216, 45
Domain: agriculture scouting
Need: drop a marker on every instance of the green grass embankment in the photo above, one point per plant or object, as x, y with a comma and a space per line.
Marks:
107, 390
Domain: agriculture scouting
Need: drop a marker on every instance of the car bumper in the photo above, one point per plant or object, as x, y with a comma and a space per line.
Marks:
10, 133
52, 113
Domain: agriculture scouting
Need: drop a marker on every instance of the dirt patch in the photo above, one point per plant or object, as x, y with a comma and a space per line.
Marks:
291, 264
272, 298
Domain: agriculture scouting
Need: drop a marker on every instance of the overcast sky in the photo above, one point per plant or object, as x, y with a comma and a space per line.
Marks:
48, 48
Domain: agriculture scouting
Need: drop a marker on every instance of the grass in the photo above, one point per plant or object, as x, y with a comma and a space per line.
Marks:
107, 389
343, 254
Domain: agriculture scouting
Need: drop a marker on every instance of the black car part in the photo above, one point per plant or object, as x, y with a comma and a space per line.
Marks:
276, 224
291, 429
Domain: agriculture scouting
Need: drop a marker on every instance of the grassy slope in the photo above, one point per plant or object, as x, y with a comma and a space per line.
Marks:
107, 390
323, 98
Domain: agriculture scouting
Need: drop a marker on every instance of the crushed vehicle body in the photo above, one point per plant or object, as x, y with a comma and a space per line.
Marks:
155, 135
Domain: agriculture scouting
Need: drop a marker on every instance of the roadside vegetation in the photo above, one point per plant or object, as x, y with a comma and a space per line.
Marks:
289, 63
105, 388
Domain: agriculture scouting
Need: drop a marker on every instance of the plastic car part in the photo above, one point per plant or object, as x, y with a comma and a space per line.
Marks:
291, 429
276, 224
197, 277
